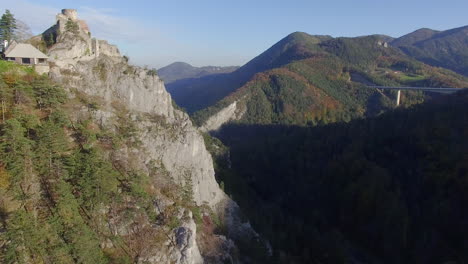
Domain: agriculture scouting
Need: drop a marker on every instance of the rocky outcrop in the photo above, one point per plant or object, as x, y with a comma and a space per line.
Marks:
111, 78
186, 244
73, 42
181, 148
231, 112
183, 153
182, 247
166, 135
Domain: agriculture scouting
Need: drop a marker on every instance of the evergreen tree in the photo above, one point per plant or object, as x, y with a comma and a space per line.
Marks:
15, 150
51, 143
7, 26
5, 96
48, 94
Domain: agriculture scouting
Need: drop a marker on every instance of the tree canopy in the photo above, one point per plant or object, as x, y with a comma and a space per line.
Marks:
8, 26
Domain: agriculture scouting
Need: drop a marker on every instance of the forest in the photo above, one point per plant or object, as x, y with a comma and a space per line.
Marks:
63, 185
309, 80
388, 189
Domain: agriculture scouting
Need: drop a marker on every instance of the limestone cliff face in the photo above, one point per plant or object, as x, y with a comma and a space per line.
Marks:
102, 72
232, 112
167, 137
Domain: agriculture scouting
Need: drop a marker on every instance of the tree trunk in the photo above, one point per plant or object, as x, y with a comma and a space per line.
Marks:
3, 111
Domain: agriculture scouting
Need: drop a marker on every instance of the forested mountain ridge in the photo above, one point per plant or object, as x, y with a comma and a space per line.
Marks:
181, 70
320, 80
196, 94
389, 189
414, 37
448, 49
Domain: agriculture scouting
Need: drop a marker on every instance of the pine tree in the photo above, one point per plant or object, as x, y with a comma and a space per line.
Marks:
7, 26
5, 96
15, 152
51, 143
48, 94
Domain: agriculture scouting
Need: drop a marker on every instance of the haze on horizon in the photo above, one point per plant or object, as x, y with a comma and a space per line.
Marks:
157, 33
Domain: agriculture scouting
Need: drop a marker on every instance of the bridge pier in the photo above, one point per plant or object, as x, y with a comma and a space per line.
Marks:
426, 89
398, 98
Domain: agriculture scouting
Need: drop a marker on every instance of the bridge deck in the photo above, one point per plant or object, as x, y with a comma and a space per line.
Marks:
428, 89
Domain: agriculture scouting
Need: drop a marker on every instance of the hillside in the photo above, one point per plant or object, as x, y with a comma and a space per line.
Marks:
414, 37
448, 49
389, 189
182, 70
308, 80
97, 166
196, 94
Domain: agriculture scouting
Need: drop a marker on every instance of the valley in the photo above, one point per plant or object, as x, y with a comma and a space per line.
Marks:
319, 149
367, 191
324, 165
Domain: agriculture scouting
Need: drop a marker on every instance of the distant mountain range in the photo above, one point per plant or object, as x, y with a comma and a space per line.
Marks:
196, 94
448, 49
324, 193
182, 70
306, 79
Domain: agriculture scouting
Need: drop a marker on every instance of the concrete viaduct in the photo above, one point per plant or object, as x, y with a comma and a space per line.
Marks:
426, 89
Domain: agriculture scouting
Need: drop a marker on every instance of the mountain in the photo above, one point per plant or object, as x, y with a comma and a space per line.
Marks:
414, 37
448, 49
182, 70
307, 80
196, 94
389, 189
97, 166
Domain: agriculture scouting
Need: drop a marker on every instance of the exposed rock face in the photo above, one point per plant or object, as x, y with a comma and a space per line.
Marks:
167, 135
74, 42
185, 241
112, 79
231, 112
185, 157
182, 248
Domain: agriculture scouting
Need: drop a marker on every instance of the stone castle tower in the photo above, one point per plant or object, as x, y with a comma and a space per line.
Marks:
76, 44
72, 15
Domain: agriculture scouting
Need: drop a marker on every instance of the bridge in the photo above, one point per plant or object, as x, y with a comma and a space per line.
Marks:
426, 89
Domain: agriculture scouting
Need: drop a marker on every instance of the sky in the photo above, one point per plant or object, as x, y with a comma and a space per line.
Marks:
156, 33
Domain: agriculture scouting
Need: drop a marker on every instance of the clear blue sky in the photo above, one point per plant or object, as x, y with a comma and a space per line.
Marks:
217, 32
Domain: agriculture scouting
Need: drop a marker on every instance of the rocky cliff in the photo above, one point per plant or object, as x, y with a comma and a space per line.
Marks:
108, 76
166, 138
232, 112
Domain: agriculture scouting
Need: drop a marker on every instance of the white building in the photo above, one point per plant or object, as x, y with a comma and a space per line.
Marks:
26, 54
